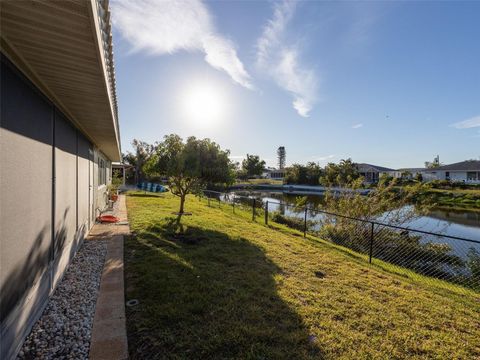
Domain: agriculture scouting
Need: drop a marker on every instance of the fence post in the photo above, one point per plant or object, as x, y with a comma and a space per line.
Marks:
208, 197
371, 244
305, 224
253, 210
266, 213
233, 203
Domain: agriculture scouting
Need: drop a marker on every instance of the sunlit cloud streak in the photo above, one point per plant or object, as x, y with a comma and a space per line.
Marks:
167, 27
281, 61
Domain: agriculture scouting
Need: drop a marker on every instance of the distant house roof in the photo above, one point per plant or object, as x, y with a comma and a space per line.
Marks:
374, 167
468, 165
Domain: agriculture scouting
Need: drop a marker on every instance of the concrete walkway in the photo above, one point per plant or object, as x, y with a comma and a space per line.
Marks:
109, 334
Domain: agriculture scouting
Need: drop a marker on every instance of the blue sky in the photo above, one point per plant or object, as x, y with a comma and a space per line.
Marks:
387, 83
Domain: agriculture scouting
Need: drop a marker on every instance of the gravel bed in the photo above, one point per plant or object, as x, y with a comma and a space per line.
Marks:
65, 327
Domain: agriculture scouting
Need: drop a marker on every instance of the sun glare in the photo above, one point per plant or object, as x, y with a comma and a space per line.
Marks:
203, 104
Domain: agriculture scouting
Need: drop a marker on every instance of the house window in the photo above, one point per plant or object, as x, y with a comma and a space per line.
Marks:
472, 176
447, 175
102, 172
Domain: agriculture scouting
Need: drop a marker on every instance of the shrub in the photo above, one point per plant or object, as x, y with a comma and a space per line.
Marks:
473, 263
441, 184
291, 221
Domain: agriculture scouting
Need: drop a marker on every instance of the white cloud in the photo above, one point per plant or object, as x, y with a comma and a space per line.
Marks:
467, 124
357, 126
323, 158
166, 27
281, 61
270, 38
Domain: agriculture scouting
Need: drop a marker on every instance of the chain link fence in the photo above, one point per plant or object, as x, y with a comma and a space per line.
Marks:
414, 251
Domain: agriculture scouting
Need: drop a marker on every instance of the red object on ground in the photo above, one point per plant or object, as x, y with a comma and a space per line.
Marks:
108, 219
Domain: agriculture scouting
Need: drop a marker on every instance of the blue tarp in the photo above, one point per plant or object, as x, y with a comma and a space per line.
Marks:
152, 187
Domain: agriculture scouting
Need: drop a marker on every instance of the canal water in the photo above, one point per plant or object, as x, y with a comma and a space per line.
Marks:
464, 224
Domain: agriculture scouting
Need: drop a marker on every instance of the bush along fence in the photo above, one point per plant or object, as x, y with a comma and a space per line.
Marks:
411, 251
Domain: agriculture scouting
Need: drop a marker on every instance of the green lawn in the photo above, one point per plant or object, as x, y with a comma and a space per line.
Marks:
230, 288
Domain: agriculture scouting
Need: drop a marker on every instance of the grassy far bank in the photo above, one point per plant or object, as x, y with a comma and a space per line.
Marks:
232, 288
458, 191
451, 198
259, 182
461, 199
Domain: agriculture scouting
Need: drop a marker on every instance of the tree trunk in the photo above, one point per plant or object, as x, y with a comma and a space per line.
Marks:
182, 203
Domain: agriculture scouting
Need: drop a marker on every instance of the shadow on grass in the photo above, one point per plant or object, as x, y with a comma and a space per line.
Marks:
204, 295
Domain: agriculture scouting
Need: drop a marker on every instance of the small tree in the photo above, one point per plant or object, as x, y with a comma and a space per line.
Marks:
434, 164
190, 165
252, 165
419, 177
303, 174
341, 174
406, 175
143, 151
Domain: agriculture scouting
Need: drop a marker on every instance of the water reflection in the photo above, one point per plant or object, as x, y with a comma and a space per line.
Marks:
469, 218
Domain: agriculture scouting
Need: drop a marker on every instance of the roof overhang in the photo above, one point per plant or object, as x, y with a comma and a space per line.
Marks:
121, 165
65, 49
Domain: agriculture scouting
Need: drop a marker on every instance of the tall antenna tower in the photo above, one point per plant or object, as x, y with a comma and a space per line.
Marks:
282, 157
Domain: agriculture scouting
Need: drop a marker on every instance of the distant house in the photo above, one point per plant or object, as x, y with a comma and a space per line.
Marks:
432, 174
466, 171
120, 170
272, 173
408, 173
372, 173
